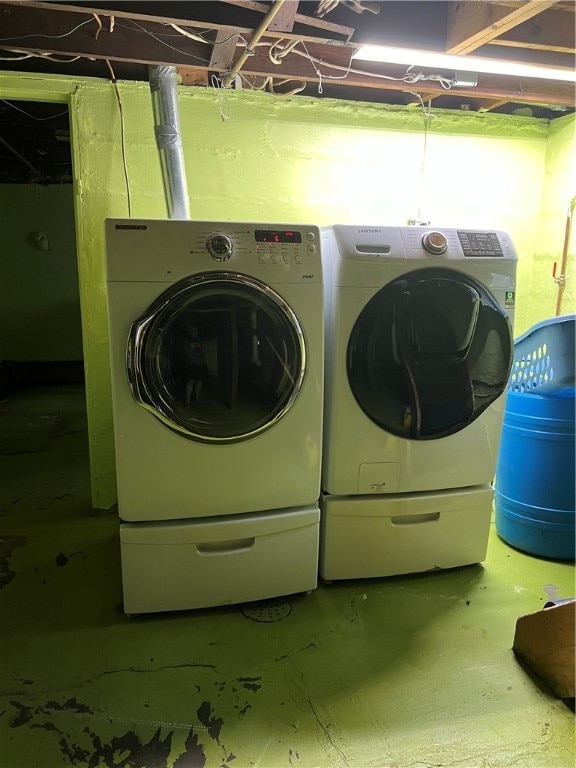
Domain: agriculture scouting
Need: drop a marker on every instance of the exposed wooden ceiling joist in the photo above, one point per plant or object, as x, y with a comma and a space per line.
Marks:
273, 11
301, 18
124, 37
489, 86
223, 51
36, 20
284, 20
473, 24
147, 39
551, 30
489, 106
121, 39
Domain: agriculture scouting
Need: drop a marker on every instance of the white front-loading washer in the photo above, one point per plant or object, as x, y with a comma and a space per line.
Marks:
418, 353
216, 338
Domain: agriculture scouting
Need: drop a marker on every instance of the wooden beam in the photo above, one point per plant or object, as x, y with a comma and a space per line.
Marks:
284, 20
425, 96
166, 20
521, 90
299, 18
193, 76
145, 43
255, 38
473, 24
549, 31
43, 31
493, 105
223, 51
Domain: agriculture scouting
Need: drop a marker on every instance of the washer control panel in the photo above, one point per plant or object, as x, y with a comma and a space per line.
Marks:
390, 243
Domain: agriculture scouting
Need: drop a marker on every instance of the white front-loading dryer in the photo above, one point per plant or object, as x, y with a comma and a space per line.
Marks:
216, 338
418, 353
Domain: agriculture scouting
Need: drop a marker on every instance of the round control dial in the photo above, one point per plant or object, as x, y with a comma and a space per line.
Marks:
435, 242
219, 247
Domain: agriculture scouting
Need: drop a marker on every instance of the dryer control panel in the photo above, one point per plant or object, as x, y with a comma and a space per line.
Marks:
274, 245
168, 249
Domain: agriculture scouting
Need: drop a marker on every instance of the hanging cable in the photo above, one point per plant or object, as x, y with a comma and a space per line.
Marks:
19, 109
50, 37
159, 40
427, 118
122, 138
223, 104
277, 54
47, 56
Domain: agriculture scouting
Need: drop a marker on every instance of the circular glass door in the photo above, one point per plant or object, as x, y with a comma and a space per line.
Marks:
429, 353
218, 357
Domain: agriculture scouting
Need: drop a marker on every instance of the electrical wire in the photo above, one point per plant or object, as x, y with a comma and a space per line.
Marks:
285, 94
94, 19
122, 138
427, 118
408, 77
248, 80
191, 35
275, 53
48, 56
327, 77
50, 117
277, 56
226, 113
16, 58
201, 39
51, 37
162, 42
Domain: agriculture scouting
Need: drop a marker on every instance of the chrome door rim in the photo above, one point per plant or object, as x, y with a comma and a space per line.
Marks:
151, 399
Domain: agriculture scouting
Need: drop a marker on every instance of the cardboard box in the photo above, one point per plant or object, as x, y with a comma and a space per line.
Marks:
545, 642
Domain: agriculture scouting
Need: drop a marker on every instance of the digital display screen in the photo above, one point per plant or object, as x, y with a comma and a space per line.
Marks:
277, 236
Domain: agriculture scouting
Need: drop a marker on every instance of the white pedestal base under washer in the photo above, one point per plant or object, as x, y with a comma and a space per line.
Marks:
216, 337
388, 535
418, 353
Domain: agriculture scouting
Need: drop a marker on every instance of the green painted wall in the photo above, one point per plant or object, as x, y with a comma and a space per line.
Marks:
558, 190
39, 296
300, 159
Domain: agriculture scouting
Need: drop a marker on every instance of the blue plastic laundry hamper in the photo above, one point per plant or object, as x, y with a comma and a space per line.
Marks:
534, 499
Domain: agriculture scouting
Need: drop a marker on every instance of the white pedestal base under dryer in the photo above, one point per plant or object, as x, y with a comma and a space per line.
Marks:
372, 536
216, 339
235, 559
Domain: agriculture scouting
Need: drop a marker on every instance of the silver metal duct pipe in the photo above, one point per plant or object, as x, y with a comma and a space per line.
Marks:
168, 139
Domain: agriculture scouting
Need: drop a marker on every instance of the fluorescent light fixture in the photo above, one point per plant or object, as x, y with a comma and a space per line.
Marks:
432, 59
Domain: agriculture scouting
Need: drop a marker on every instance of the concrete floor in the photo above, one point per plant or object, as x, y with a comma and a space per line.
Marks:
410, 672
